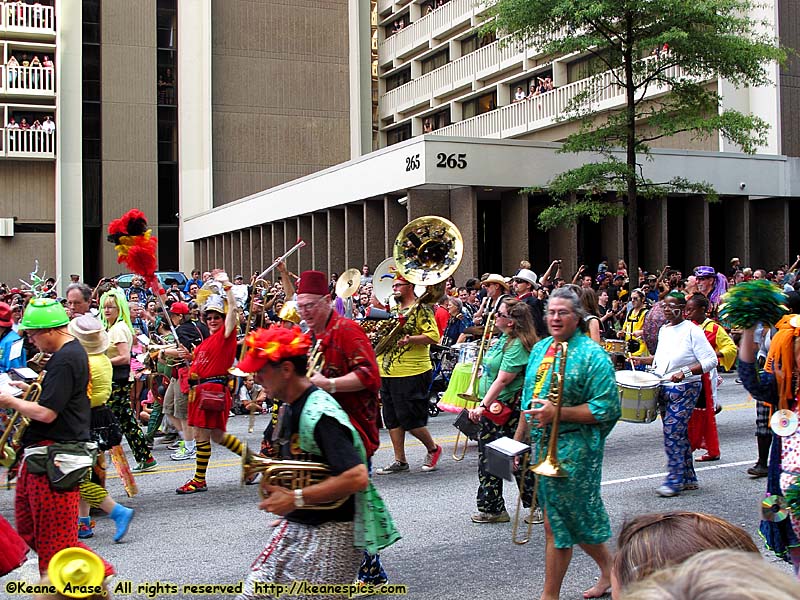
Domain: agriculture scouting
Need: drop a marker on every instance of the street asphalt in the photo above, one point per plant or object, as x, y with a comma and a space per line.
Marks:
213, 537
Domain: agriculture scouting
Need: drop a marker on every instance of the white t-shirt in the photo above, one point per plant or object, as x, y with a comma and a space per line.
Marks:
682, 345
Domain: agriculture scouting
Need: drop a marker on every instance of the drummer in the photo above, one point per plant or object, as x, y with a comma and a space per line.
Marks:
682, 356
633, 326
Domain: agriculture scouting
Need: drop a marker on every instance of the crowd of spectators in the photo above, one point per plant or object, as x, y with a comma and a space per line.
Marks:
21, 76
541, 86
402, 22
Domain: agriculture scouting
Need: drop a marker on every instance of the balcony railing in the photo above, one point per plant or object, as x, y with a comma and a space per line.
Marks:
434, 24
28, 18
543, 111
33, 81
27, 143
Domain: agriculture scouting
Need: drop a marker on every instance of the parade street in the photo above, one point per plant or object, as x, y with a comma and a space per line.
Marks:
212, 538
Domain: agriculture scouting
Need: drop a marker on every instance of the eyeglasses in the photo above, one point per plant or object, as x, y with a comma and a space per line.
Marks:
307, 306
212, 316
558, 313
504, 316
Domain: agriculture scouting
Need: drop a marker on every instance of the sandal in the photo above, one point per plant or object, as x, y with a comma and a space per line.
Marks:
708, 458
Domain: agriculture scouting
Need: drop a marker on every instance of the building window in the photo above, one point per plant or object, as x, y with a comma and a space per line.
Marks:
397, 25
435, 61
436, 121
398, 79
476, 41
479, 105
398, 134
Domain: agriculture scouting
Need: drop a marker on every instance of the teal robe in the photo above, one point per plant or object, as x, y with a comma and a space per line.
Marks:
573, 504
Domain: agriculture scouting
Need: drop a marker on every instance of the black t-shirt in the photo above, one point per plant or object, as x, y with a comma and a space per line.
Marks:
535, 307
338, 452
64, 391
190, 334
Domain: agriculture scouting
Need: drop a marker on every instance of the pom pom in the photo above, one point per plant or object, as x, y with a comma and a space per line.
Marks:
135, 245
751, 302
277, 344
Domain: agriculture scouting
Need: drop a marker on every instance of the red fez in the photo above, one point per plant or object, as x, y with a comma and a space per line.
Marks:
312, 282
5, 315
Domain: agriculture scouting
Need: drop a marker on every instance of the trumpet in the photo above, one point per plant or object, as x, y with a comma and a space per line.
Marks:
549, 466
288, 474
17, 424
471, 394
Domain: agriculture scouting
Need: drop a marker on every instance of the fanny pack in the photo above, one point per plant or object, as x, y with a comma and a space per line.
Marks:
64, 463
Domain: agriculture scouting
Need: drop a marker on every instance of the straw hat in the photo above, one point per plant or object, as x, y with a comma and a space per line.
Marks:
498, 279
90, 333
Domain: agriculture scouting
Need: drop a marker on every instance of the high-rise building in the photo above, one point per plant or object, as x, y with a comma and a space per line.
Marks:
464, 121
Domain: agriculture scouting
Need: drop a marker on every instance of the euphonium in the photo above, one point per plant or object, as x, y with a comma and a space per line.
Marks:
17, 424
549, 466
288, 474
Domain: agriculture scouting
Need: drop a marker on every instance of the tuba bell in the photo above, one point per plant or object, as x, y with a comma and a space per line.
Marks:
427, 251
16, 424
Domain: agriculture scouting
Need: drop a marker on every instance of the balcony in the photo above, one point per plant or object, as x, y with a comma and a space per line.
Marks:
28, 81
28, 21
543, 111
27, 143
421, 32
460, 73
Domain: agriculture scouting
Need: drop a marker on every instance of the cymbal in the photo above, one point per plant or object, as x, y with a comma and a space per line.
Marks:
348, 283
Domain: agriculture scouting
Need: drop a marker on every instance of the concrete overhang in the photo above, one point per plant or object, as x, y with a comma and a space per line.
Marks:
441, 162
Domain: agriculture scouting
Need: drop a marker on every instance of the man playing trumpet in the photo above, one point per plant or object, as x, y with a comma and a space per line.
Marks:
572, 506
319, 546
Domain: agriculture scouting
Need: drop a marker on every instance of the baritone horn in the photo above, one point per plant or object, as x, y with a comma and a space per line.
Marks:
16, 425
549, 466
426, 252
288, 474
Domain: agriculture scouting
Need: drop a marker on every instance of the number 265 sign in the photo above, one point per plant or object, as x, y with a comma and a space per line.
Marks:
443, 161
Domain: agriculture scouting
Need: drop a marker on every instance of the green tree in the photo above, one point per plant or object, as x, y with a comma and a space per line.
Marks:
642, 47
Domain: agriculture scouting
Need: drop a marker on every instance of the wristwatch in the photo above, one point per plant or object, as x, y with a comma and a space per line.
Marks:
687, 372
298, 498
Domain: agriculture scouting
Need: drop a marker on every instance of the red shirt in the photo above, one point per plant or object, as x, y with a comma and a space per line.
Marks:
214, 356
346, 350
442, 317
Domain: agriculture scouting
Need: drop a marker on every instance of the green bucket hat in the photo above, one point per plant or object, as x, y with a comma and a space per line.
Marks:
43, 313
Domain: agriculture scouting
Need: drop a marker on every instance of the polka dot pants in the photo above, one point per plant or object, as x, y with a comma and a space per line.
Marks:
46, 519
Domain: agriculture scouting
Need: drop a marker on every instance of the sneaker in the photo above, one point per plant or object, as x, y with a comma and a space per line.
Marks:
85, 531
482, 517
536, 517
192, 487
431, 459
690, 486
708, 458
666, 492
159, 434
365, 591
183, 453
168, 438
758, 470
144, 466
121, 515
176, 445
395, 467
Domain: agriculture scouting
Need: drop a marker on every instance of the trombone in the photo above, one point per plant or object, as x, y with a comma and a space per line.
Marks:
549, 466
471, 394
17, 425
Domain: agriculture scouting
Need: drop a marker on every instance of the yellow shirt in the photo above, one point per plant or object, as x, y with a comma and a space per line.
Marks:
411, 359
100, 375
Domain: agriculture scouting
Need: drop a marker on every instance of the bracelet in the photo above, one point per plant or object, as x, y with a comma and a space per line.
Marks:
332, 383
687, 372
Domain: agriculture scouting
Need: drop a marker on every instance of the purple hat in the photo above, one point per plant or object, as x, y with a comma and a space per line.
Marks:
705, 272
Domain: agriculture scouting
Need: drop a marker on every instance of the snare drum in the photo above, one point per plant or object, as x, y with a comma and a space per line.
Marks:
468, 352
638, 396
614, 346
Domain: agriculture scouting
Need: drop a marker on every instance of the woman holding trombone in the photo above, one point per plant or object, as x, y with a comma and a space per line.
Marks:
499, 389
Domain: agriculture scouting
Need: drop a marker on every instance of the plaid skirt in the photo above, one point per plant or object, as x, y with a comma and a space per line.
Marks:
297, 553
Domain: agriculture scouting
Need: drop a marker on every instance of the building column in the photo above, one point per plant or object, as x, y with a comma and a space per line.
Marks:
515, 231
395, 217
255, 250
612, 236
69, 148
695, 214
653, 236
247, 257
428, 202
374, 233
564, 245
266, 247
236, 255
737, 228
336, 241
464, 212
278, 240
319, 241
289, 240
194, 114
354, 237
305, 253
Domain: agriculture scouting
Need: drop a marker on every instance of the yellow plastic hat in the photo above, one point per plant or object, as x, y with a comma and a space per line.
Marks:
79, 568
